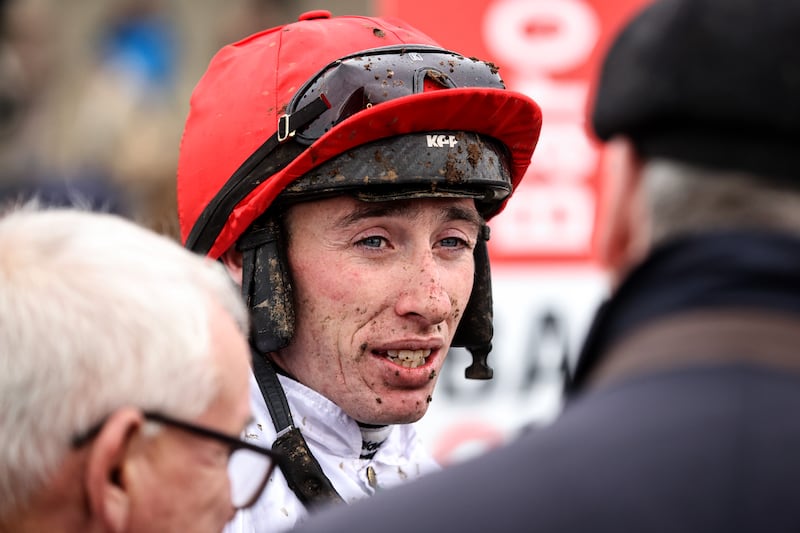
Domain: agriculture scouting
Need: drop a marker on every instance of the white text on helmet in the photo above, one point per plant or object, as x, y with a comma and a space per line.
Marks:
439, 141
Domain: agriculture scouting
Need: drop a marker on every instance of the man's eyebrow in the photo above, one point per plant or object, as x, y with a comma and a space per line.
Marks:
462, 213
388, 209
363, 211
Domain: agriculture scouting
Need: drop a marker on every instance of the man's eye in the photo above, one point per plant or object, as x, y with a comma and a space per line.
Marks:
372, 242
453, 242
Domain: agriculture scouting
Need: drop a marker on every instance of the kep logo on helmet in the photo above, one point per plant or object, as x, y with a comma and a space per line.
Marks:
438, 141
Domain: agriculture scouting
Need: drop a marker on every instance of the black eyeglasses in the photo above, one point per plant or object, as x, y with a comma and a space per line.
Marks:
249, 466
360, 80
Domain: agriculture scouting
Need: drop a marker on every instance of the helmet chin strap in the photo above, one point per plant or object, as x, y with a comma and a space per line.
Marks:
267, 285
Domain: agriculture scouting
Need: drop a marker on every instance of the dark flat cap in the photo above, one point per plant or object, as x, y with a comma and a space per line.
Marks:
710, 82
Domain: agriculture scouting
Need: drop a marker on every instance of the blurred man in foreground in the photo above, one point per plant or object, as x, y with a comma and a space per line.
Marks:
123, 380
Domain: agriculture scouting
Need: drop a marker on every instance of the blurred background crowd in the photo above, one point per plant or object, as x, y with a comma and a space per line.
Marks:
94, 93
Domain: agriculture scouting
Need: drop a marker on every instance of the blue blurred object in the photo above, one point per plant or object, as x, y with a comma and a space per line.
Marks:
144, 46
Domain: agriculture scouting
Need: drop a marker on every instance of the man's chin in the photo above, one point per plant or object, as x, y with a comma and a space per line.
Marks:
385, 417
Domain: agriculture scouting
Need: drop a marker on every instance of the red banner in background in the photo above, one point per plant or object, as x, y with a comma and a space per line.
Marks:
551, 51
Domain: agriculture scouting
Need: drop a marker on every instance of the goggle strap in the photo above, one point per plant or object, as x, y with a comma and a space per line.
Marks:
245, 179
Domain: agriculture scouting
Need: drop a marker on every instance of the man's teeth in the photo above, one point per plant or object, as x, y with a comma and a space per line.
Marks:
408, 358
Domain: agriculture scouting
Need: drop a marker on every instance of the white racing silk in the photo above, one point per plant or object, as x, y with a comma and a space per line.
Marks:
335, 440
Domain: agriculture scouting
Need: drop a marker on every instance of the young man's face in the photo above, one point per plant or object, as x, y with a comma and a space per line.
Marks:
379, 290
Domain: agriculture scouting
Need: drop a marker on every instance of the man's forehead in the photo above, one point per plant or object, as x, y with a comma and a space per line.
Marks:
443, 208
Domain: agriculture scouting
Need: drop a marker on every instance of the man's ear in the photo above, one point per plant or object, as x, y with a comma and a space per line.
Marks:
109, 496
232, 259
624, 225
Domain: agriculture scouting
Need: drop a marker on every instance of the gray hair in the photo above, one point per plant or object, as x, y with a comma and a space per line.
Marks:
685, 199
96, 313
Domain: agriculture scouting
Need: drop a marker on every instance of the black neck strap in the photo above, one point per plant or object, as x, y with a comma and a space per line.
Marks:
302, 471
272, 391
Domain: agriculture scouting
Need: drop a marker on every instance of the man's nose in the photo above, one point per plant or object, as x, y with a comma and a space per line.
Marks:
424, 293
